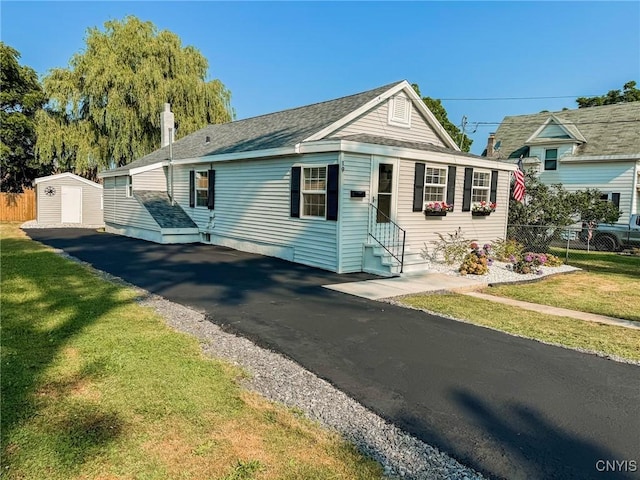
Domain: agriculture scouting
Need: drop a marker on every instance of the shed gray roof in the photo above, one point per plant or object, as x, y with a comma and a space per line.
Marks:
608, 129
274, 130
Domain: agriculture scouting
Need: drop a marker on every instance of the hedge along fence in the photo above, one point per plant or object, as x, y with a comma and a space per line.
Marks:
18, 207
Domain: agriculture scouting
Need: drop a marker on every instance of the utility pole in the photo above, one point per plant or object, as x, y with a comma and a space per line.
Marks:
463, 128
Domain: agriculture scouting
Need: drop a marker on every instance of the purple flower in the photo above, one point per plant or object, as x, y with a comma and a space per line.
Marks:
486, 246
528, 258
512, 259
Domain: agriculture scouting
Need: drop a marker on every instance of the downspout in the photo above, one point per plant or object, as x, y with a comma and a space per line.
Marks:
634, 191
171, 165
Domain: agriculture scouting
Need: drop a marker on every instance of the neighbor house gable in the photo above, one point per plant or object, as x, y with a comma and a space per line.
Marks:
608, 131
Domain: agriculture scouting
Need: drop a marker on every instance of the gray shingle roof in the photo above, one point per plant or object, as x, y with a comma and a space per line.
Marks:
608, 129
280, 129
392, 142
159, 206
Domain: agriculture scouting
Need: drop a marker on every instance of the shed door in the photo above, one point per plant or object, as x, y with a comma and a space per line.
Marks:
71, 204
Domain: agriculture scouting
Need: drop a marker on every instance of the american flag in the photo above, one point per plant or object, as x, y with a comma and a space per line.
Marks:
518, 187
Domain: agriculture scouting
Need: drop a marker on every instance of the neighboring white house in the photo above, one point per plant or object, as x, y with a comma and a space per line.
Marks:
339, 185
67, 198
595, 147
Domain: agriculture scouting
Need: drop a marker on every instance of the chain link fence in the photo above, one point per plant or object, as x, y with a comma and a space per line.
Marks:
543, 239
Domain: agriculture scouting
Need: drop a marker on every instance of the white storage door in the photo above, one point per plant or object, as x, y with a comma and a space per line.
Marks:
71, 204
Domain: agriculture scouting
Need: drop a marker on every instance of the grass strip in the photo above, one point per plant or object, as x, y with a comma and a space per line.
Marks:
609, 340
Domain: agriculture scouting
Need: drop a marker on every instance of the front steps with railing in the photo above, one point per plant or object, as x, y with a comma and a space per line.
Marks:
378, 261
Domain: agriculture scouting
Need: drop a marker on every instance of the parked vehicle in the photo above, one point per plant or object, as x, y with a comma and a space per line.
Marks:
606, 237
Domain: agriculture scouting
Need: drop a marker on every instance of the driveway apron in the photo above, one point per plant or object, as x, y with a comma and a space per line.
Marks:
506, 406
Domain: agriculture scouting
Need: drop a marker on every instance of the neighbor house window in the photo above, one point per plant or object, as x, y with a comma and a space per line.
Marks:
481, 186
551, 159
129, 187
202, 188
314, 191
435, 184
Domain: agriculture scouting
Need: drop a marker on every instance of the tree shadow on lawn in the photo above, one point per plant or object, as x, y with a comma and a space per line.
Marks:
607, 263
46, 302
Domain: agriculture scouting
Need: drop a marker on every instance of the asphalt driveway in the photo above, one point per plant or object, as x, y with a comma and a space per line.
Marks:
508, 407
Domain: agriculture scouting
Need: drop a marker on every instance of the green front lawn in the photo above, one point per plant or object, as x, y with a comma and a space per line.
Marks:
609, 285
96, 386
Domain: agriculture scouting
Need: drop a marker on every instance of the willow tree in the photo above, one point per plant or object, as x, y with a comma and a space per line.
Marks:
104, 109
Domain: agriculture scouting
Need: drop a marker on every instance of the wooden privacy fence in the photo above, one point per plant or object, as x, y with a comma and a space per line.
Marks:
18, 207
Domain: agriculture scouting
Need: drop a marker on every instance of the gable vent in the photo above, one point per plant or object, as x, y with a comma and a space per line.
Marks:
400, 111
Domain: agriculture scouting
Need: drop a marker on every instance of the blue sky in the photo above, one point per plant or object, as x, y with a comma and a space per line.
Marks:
278, 55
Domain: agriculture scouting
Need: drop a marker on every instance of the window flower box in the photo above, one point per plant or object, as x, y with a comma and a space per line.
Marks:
437, 209
482, 209
442, 213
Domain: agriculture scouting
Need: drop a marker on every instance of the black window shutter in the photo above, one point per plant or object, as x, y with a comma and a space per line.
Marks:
192, 189
211, 189
615, 199
333, 173
451, 185
493, 194
418, 188
295, 191
468, 182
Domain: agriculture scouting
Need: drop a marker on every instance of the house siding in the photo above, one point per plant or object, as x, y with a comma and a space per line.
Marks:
252, 210
49, 208
122, 210
155, 179
375, 122
606, 176
423, 230
354, 212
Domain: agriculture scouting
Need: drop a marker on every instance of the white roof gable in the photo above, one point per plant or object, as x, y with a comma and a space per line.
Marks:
66, 175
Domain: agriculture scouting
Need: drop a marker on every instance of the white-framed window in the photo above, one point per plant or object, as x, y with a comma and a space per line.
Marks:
551, 159
481, 186
202, 188
435, 184
129, 186
400, 111
314, 191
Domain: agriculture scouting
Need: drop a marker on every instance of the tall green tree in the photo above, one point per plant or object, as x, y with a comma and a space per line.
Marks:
104, 109
436, 107
629, 93
21, 96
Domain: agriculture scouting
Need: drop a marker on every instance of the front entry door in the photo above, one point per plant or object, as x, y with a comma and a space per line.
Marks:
383, 192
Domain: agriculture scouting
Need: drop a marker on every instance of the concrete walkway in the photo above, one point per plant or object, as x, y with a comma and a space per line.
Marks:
438, 282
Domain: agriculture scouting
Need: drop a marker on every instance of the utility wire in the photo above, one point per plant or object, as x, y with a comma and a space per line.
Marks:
517, 98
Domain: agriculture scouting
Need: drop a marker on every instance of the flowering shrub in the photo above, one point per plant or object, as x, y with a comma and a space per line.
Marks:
553, 261
438, 207
485, 207
531, 262
478, 261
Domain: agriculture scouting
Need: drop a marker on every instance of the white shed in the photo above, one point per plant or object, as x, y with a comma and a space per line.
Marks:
67, 198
